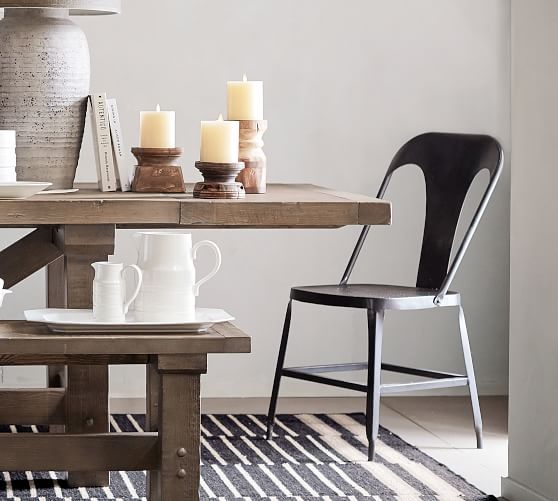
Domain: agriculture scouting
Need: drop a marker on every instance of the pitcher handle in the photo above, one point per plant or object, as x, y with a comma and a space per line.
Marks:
138, 286
211, 274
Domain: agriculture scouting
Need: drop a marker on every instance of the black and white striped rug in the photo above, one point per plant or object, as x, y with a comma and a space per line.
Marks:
312, 457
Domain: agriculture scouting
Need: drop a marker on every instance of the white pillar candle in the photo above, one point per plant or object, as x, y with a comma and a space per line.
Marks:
7, 138
219, 141
157, 129
245, 100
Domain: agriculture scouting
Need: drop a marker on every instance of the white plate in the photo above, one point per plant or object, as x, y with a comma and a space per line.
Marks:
82, 322
59, 192
21, 189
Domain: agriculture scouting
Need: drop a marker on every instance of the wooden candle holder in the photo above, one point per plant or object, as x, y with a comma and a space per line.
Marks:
157, 171
219, 180
253, 176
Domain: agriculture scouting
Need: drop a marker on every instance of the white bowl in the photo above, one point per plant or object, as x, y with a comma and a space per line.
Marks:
21, 189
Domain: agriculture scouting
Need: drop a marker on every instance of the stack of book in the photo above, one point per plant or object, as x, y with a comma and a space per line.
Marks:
112, 171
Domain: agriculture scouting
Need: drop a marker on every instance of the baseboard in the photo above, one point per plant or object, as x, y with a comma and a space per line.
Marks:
514, 491
256, 405
127, 405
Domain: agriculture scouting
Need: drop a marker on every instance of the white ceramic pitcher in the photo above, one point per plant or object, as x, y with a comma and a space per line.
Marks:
169, 289
109, 291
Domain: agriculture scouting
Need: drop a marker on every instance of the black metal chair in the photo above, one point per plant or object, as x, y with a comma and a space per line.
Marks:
449, 162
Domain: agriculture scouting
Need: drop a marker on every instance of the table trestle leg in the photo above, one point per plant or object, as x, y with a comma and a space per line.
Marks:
70, 285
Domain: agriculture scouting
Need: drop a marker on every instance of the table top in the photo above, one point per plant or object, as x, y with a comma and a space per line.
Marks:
26, 338
283, 206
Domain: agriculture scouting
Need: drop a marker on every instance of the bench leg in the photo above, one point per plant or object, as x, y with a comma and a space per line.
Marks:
70, 285
179, 426
152, 424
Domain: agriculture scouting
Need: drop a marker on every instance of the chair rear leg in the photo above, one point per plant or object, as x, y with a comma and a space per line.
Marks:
278, 372
471, 376
375, 332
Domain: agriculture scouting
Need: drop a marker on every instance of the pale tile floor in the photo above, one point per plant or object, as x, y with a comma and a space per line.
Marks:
442, 427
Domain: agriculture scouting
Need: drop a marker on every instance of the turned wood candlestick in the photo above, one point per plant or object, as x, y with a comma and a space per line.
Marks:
219, 180
253, 176
157, 171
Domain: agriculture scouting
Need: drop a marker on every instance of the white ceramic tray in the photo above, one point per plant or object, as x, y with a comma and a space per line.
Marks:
21, 189
82, 322
59, 192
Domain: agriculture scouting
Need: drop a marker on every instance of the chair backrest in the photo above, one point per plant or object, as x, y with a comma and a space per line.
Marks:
450, 163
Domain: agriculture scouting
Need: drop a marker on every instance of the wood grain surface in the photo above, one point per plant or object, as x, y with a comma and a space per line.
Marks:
86, 385
179, 403
44, 451
28, 255
23, 338
42, 406
283, 206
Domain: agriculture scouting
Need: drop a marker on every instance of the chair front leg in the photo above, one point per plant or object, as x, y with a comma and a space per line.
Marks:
471, 377
278, 372
375, 332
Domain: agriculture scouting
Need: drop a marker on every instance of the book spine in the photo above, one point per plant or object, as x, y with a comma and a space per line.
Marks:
122, 173
103, 144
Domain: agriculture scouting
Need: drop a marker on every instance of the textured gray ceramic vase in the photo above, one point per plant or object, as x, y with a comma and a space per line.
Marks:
44, 84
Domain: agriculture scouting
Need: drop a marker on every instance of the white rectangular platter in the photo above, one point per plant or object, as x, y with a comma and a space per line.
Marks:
82, 322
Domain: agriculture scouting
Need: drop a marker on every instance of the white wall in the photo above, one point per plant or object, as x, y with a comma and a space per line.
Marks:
533, 427
346, 84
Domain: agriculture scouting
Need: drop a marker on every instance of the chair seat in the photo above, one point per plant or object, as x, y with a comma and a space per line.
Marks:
372, 296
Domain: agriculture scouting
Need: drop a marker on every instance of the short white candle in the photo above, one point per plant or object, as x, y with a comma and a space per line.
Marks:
157, 129
219, 141
7, 138
245, 100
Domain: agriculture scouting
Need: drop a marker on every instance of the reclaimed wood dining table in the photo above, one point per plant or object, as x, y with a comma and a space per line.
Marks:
73, 230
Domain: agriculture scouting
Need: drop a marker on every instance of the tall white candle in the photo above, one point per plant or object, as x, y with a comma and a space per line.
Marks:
157, 129
7, 138
219, 141
245, 100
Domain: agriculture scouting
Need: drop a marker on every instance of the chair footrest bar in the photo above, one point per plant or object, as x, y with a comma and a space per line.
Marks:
362, 366
301, 374
388, 389
320, 369
420, 372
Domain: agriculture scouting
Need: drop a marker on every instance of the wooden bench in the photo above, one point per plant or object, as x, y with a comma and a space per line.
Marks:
170, 448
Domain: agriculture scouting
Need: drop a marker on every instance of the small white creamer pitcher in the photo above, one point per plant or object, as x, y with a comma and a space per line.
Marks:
109, 291
3, 291
169, 289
